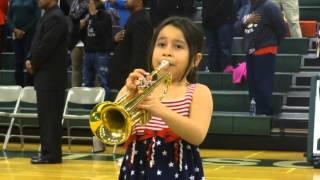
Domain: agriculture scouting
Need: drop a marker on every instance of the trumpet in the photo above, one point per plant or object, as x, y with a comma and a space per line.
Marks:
112, 122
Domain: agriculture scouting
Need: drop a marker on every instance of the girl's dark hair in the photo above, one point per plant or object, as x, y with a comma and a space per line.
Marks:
194, 39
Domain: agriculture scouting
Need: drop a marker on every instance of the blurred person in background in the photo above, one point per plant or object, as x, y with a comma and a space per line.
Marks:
291, 12
218, 18
98, 43
263, 28
23, 16
48, 62
78, 14
132, 44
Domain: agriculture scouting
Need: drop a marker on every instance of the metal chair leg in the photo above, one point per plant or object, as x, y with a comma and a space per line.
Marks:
6, 141
21, 134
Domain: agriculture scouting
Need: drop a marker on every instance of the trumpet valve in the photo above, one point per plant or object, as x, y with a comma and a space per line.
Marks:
143, 84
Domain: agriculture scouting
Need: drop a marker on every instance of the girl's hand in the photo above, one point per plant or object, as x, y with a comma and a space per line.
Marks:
133, 80
153, 105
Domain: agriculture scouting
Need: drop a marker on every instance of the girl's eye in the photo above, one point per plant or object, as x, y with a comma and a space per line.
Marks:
160, 44
179, 46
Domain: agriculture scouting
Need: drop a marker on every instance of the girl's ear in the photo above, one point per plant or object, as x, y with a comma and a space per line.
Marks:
197, 59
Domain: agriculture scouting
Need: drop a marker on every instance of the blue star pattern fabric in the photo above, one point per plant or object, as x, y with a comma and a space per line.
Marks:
164, 165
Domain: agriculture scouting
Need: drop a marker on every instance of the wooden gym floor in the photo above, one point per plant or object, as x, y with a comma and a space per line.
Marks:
219, 165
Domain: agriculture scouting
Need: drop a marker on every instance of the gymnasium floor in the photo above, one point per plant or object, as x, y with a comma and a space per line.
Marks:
218, 164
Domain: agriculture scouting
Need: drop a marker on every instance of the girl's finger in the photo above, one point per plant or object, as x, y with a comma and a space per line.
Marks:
140, 71
143, 106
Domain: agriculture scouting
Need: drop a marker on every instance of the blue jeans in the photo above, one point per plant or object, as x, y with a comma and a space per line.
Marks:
95, 63
219, 43
21, 49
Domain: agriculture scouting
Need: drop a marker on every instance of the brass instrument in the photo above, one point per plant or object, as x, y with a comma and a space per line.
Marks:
112, 122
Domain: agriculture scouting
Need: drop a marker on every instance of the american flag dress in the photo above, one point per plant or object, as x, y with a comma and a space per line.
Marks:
155, 152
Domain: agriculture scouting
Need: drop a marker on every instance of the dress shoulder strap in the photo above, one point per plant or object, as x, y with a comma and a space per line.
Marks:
190, 90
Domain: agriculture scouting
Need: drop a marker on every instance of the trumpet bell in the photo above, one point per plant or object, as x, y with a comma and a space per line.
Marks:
110, 122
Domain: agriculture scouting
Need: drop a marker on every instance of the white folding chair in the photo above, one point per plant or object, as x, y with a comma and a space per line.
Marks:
80, 98
9, 96
27, 96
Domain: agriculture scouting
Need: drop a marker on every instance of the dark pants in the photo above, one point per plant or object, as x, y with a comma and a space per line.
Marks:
21, 49
219, 43
95, 64
2, 41
260, 71
50, 105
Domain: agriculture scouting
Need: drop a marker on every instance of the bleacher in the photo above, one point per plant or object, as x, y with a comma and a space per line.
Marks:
232, 125
309, 10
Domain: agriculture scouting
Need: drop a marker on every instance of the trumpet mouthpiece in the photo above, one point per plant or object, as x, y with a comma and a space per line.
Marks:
164, 63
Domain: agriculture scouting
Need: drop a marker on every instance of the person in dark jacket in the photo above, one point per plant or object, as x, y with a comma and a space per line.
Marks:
218, 17
162, 9
78, 11
48, 63
133, 43
263, 27
98, 44
22, 19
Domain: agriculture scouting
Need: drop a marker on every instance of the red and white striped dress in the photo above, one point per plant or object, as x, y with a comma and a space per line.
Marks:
181, 106
154, 151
